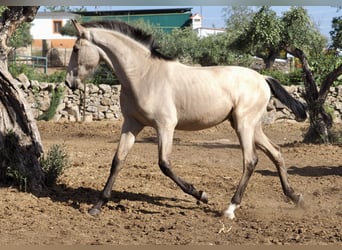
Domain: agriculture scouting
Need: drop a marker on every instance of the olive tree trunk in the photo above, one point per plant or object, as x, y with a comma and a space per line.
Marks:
320, 121
20, 143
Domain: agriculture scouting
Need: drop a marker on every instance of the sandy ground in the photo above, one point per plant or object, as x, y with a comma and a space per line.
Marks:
148, 208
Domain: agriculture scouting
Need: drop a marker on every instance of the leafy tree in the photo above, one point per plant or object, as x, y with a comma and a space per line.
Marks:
21, 37
303, 41
238, 19
182, 44
213, 51
68, 29
267, 34
262, 36
336, 33
300, 32
295, 33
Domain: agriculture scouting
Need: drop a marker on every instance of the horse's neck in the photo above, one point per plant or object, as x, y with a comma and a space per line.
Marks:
129, 59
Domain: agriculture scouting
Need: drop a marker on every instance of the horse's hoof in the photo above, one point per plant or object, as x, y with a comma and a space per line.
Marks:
300, 202
204, 197
94, 211
229, 213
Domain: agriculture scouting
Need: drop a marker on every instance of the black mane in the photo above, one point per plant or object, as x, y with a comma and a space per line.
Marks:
133, 32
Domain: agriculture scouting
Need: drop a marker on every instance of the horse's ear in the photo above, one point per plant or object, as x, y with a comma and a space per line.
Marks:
78, 27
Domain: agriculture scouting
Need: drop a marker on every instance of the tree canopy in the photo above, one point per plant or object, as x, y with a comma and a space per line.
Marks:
336, 33
266, 34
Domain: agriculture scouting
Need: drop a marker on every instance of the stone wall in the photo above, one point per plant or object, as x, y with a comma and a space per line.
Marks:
276, 111
102, 102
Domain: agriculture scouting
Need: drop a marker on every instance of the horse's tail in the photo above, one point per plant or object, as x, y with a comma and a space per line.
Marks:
298, 108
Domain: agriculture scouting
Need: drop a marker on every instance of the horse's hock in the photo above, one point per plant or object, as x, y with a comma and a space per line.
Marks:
102, 102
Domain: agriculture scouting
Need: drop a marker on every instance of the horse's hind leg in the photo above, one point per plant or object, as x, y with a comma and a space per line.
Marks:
273, 152
245, 132
129, 131
165, 137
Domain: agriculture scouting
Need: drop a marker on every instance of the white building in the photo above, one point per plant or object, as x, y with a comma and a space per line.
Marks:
46, 29
202, 31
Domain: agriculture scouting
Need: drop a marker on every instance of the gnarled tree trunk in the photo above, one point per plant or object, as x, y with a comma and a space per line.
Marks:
320, 121
20, 142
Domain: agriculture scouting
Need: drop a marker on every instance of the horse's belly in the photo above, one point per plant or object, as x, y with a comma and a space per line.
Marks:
196, 125
202, 119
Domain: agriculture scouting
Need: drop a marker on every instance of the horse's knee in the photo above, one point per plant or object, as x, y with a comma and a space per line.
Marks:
251, 164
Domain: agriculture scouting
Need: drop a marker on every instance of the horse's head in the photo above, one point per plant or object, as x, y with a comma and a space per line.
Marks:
84, 58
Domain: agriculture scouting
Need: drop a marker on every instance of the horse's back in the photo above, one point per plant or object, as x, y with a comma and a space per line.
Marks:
206, 96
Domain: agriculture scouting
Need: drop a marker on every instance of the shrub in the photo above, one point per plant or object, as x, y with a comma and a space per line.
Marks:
34, 74
296, 77
57, 95
104, 75
54, 164
292, 78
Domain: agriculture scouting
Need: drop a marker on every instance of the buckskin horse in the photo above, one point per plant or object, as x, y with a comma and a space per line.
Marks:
163, 93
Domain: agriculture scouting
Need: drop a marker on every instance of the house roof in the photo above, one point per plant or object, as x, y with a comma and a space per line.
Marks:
133, 12
57, 15
196, 15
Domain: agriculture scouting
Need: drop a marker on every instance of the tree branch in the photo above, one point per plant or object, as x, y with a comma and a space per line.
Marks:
309, 81
328, 81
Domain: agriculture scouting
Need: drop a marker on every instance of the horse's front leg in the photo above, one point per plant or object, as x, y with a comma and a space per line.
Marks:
129, 131
165, 137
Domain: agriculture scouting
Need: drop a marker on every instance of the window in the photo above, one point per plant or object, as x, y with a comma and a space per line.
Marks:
57, 25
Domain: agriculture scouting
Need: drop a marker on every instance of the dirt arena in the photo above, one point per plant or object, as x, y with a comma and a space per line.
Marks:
148, 208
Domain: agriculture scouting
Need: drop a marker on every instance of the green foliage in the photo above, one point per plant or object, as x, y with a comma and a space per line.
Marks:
182, 44
238, 19
323, 64
300, 32
34, 74
2, 9
292, 78
104, 75
21, 37
57, 95
10, 170
266, 34
54, 164
185, 45
280, 76
55, 77
68, 29
336, 33
262, 35
213, 50
296, 77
